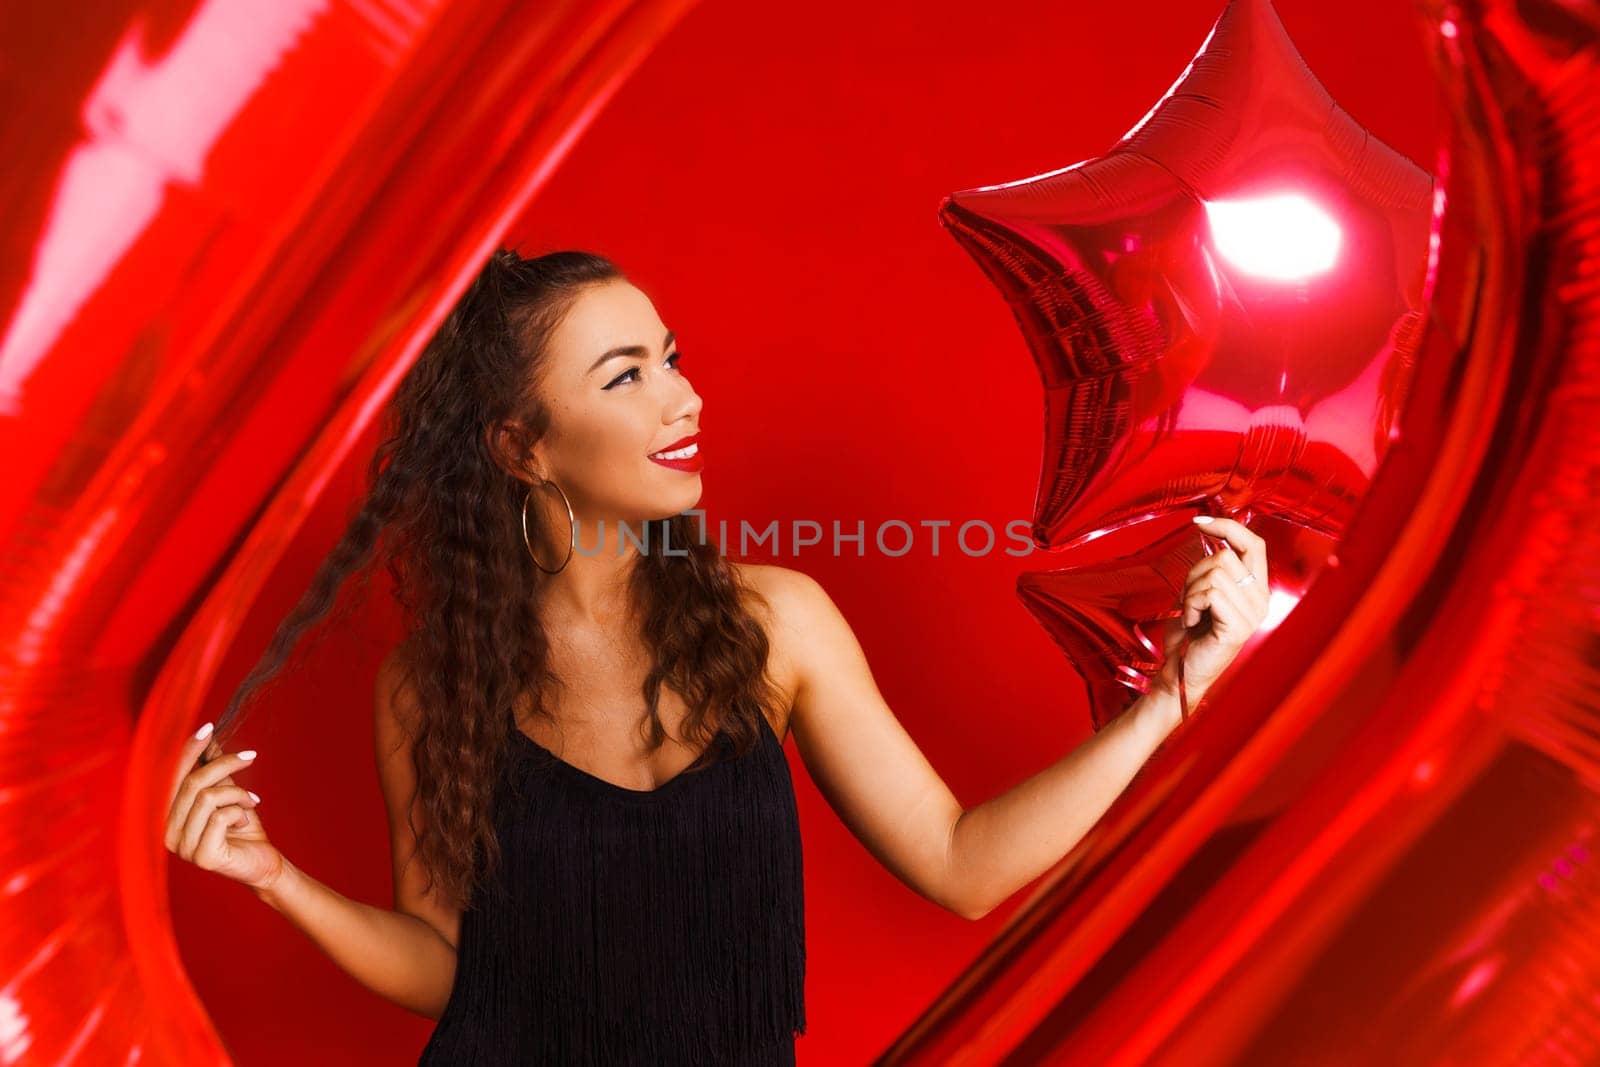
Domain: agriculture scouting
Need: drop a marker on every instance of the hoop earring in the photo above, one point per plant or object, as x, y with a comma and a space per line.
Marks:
572, 523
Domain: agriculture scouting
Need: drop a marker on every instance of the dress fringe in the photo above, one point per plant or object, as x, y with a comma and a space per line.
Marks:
636, 927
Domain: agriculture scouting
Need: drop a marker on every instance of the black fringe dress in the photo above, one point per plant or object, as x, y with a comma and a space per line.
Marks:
629, 926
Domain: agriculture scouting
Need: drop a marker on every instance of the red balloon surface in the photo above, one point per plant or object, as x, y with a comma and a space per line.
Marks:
225, 277
1224, 306
1378, 845
1375, 846
1110, 617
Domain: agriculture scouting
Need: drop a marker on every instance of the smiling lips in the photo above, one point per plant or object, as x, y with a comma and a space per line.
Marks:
681, 455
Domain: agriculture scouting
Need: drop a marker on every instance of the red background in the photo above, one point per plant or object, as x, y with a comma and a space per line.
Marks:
770, 178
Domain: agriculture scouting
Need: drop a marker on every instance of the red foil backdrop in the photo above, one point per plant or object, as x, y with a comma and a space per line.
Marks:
1375, 846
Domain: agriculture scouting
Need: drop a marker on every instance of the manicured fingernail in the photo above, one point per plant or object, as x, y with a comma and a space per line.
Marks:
248, 753
1202, 518
204, 731
254, 797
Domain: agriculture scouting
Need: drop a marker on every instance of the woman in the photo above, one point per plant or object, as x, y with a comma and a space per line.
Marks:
595, 845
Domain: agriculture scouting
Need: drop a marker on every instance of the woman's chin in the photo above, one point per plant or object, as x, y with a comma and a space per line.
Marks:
685, 500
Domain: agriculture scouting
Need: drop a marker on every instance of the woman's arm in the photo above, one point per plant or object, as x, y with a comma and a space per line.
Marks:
892, 799
1001, 845
396, 955
213, 822
407, 955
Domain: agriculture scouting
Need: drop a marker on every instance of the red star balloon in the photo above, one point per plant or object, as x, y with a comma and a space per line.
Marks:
1224, 306
1381, 847
1110, 617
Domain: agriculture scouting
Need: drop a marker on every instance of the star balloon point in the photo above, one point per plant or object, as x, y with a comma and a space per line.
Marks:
1222, 305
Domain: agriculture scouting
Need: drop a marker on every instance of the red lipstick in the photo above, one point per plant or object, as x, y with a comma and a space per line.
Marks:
693, 463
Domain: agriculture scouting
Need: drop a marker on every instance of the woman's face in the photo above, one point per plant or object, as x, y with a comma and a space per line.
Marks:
616, 396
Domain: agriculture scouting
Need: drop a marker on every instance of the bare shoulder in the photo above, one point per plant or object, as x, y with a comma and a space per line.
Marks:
783, 583
787, 604
790, 597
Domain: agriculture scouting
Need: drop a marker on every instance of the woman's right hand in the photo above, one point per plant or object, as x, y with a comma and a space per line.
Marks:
212, 822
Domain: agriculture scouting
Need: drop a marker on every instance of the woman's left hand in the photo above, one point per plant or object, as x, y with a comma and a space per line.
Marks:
1224, 603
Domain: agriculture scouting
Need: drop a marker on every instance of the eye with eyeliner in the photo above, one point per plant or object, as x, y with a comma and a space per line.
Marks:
676, 355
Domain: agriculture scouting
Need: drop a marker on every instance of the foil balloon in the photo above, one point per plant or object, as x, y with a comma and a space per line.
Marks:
1110, 617
1380, 848
214, 275
1224, 306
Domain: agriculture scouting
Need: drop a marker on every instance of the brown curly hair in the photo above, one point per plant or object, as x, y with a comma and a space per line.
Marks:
445, 519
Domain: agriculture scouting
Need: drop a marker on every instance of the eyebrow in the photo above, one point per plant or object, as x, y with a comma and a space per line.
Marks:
629, 350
